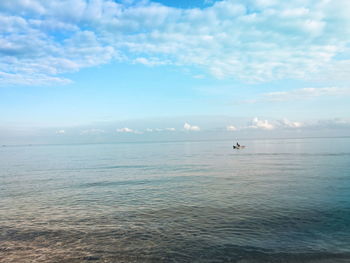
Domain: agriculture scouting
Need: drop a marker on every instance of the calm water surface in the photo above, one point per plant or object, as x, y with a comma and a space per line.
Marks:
275, 201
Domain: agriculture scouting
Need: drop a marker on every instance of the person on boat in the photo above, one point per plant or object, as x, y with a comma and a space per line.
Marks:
238, 145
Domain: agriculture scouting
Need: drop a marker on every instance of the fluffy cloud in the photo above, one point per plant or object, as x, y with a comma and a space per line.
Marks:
290, 124
189, 127
261, 124
251, 40
128, 130
231, 128
256, 123
125, 130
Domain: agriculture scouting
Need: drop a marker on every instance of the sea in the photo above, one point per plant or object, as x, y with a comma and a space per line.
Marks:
277, 200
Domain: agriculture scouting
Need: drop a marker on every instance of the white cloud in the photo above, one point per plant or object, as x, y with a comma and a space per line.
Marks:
261, 124
306, 93
286, 124
290, 124
151, 61
231, 128
92, 131
160, 129
125, 130
189, 127
258, 40
154, 130
60, 132
274, 124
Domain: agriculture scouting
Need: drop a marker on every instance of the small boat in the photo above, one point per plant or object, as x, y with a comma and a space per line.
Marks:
238, 147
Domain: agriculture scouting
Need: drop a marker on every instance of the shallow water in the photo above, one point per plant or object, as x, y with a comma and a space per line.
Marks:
275, 201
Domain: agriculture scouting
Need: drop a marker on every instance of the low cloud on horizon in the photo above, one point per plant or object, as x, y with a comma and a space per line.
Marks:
226, 128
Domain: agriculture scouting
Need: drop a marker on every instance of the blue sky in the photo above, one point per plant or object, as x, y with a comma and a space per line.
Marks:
103, 67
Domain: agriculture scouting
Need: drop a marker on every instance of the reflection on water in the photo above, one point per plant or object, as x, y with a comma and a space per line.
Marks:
275, 201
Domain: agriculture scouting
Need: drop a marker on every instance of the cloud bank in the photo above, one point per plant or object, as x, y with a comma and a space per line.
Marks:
254, 125
249, 40
189, 127
128, 130
261, 124
213, 128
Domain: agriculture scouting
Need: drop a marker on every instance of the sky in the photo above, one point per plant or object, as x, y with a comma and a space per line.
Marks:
104, 70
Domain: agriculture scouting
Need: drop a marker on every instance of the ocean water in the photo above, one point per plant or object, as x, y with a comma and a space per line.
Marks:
275, 201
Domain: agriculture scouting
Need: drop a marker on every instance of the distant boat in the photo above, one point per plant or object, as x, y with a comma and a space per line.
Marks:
238, 147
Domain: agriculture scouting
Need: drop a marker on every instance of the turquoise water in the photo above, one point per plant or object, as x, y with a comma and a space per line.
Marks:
275, 201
